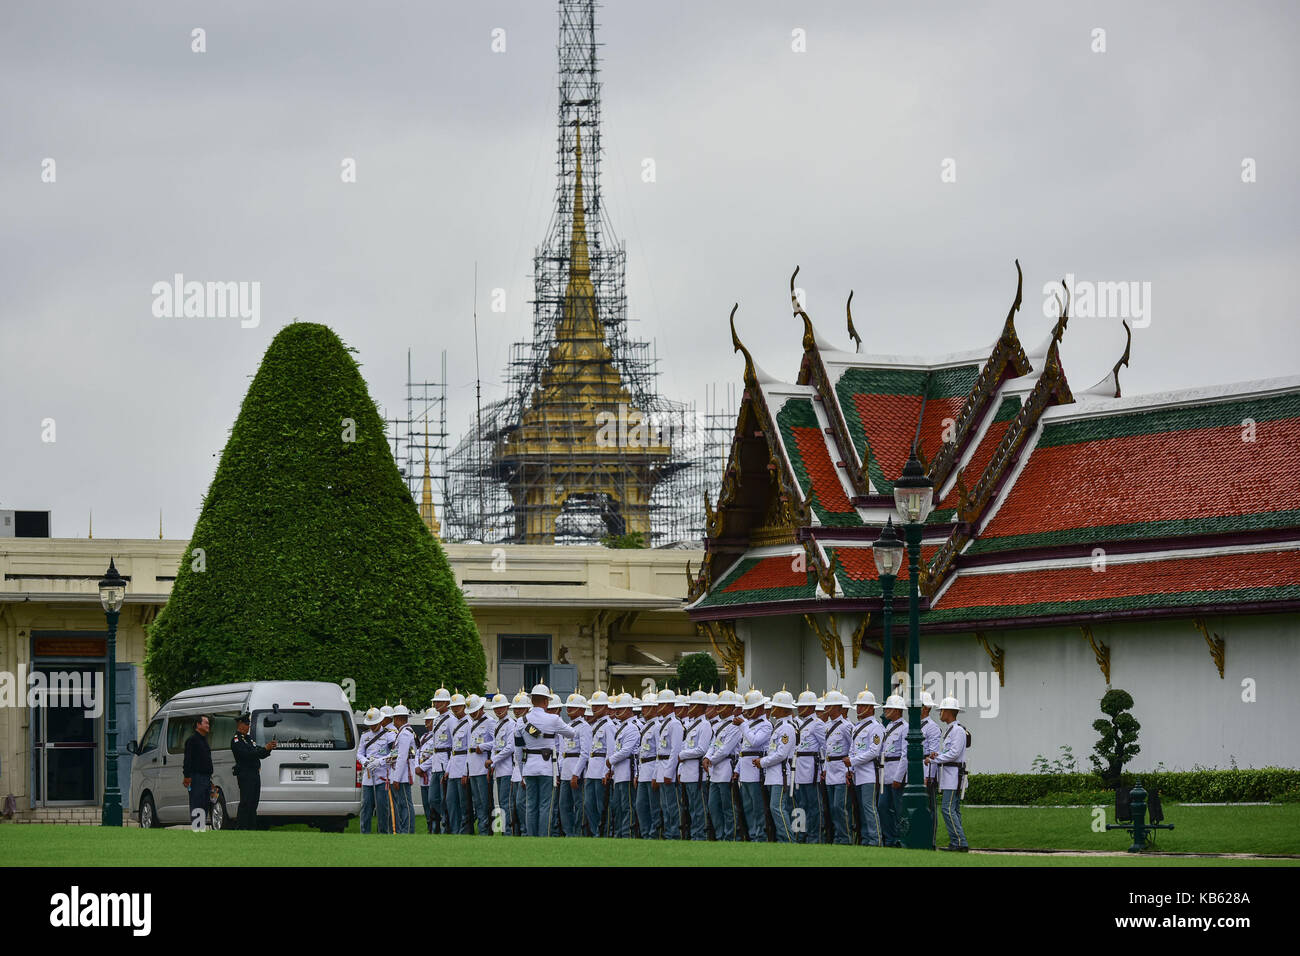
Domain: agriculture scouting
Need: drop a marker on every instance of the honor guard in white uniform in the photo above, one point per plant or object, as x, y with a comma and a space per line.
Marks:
370, 738
436, 766
501, 763
574, 753
400, 766
756, 732
950, 762
377, 754
776, 765
622, 761
893, 754
809, 741
649, 814
720, 765
670, 744
518, 707
697, 734
458, 795
595, 780
482, 732
864, 761
835, 756
535, 747
930, 745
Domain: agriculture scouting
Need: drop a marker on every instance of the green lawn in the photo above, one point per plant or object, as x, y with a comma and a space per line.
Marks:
1267, 829
1201, 829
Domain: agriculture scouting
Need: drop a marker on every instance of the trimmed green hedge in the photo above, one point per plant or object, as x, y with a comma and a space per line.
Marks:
315, 564
1193, 786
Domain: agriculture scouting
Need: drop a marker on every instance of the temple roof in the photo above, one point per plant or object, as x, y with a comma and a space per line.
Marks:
1025, 471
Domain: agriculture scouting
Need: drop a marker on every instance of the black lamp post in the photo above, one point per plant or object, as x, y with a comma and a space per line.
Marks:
888, 552
112, 591
914, 499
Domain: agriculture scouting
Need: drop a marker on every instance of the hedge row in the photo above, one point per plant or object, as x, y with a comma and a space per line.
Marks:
1194, 786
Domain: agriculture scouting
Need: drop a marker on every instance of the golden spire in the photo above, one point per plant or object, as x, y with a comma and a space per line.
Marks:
579, 260
90, 528
160, 537
427, 514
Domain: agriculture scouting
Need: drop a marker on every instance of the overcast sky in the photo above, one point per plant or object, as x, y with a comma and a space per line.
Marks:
1122, 165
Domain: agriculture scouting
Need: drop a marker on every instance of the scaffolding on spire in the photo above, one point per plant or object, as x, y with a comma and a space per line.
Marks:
582, 445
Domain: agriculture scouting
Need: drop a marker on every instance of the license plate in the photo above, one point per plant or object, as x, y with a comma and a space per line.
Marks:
303, 775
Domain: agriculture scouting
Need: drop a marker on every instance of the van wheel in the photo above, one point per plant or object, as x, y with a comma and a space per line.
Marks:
333, 825
219, 820
148, 813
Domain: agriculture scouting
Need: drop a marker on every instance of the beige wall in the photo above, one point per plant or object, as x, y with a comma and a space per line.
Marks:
596, 602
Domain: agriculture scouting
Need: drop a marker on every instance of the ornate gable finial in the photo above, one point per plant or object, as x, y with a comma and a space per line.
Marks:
853, 333
1128, 347
751, 377
809, 342
1009, 326
1058, 330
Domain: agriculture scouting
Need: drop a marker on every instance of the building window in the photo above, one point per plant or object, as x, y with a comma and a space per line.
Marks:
523, 660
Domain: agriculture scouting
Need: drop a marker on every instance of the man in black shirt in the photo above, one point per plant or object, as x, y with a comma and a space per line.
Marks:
248, 771
198, 770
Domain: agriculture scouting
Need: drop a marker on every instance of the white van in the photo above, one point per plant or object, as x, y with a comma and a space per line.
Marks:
311, 777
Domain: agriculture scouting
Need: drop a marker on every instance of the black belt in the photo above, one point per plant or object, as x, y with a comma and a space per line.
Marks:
892, 759
813, 753
753, 753
460, 753
442, 750
544, 754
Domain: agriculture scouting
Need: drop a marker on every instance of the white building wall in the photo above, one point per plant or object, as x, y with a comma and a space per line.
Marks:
1190, 717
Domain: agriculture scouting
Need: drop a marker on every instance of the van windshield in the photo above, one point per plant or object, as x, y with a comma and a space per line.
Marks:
304, 729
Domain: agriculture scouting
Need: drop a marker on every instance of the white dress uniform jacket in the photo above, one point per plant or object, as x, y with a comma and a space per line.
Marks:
600, 748
754, 738
951, 754
722, 752
696, 737
836, 746
894, 752
547, 726
648, 752
503, 748
670, 745
864, 754
458, 764
482, 732
626, 740
576, 750
809, 742
780, 748
404, 748
930, 734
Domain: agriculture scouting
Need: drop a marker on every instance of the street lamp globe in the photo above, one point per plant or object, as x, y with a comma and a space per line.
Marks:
888, 550
913, 492
112, 590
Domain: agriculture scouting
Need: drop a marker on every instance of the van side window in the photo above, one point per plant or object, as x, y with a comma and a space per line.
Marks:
150, 739
222, 732
179, 730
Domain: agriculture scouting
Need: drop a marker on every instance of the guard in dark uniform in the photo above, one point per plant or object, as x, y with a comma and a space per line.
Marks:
248, 771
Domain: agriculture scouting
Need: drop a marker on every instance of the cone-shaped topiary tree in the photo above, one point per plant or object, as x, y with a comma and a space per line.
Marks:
309, 560
697, 672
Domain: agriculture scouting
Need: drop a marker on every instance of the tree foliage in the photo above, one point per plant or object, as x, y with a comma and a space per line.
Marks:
697, 672
1118, 742
309, 560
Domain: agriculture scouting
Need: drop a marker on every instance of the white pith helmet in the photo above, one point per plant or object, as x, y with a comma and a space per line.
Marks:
865, 698
458, 700
576, 700
753, 698
895, 702
949, 703
807, 699
783, 699
441, 694
540, 690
